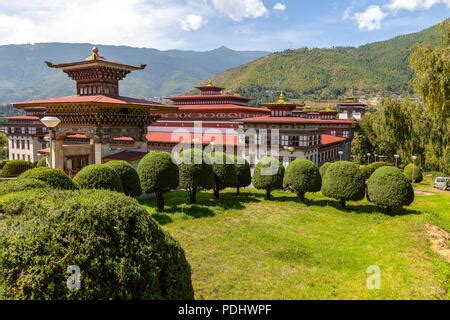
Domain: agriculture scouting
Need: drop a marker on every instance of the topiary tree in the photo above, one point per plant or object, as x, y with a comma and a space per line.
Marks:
42, 162
118, 248
379, 164
55, 178
243, 173
98, 176
302, 176
129, 178
343, 181
323, 169
16, 185
195, 173
224, 172
13, 168
158, 174
389, 188
413, 173
268, 175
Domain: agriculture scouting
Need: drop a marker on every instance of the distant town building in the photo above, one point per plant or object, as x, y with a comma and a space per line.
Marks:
351, 108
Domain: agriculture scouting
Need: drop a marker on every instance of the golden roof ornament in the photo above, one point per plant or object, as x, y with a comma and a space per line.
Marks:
209, 84
94, 55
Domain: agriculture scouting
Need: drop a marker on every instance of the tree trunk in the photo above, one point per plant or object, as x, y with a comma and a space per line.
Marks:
238, 192
193, 195
268, 197
342, 203
160, 200
216, 193
301, 195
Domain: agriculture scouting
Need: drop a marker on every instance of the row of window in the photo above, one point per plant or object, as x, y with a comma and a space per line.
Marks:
21, 144
283, 113
25, 130
98, 90
21, 157
328, 155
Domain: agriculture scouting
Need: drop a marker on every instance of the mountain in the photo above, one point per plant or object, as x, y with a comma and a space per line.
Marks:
380, 67
23, 74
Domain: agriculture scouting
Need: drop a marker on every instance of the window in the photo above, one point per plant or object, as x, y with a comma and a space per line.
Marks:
22, 130
28, 144
333, 132
346, 134
17, 144
28, 158
13, 156
284, 140
23, 146
32, 130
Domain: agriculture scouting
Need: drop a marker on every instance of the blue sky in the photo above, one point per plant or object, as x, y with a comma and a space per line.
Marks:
207, 24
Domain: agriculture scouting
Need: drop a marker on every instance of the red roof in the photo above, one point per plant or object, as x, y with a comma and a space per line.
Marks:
44, 151
168, 137
22, 118
292, 120
126, 156
127, 139
208, 97
92, 99
227, 107
328, 139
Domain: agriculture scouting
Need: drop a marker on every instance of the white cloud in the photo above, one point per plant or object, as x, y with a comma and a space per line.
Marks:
279, 6
347, 13
412, 5
142, 23
370, 19
192, 22
238, 10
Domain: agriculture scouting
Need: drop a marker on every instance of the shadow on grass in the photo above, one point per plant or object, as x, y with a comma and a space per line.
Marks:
206, 205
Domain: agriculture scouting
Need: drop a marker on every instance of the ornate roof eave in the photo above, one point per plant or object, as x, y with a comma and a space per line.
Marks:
152, 107
92, 63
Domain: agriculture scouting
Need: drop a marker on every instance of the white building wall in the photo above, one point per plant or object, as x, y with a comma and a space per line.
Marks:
27, 154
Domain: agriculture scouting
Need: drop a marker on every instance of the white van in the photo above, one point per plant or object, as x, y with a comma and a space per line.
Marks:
441, 183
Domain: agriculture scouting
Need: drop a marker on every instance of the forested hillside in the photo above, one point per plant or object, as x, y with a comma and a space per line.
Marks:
380, 67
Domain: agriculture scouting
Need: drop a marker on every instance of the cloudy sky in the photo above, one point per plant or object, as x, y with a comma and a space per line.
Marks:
207, 24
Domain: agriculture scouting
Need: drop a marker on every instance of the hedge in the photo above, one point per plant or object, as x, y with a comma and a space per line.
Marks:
389, 188
98, 176
343, 181
53, 177
268, 175
224, 172
13, 168
243, 173
302, 176
195, 176
121, 252
129, 178
16, 185
158, 174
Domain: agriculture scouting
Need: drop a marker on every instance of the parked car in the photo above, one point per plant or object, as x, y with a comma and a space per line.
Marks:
442, 183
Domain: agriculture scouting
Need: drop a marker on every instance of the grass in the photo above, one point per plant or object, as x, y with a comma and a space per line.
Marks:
248, 248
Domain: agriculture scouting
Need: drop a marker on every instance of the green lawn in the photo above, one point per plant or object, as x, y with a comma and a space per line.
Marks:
248, 248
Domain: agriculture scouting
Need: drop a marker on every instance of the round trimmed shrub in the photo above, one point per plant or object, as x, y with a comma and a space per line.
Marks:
42, 162
368, 170
120, 251
343, 181
195, 173
98, 176
13, 168
389, 188
129, 178
268, 175
408, 171
158, 174
16, 185
243, 172
224, 172
55, 178
323, 169
302, 176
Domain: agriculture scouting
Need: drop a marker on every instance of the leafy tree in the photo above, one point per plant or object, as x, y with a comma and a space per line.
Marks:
195, 173
268, 175
120, 249
55, 178
129, 178
389, 188
98, 176
243, 172
158, 174
302, 176
343, 181
224, 172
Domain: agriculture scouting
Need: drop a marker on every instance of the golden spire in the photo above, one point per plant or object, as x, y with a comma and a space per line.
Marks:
282, 98
209, 84
94, 55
